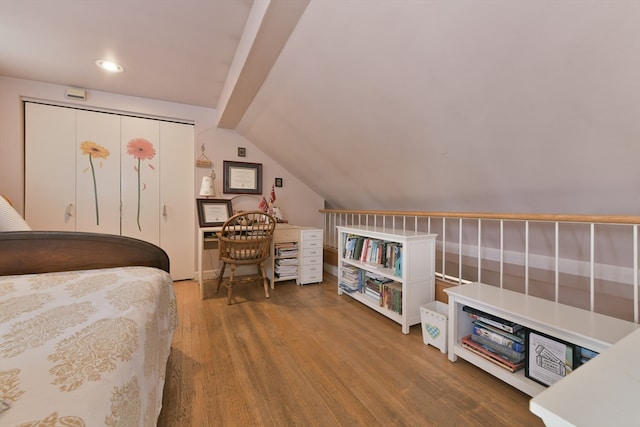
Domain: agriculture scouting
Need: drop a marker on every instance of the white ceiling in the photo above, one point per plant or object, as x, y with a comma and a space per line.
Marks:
497, 105
171, 50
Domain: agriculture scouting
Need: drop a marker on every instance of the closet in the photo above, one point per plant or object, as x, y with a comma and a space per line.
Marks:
112, 173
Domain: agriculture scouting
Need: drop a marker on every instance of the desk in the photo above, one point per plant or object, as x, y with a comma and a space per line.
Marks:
205, 243
283, 233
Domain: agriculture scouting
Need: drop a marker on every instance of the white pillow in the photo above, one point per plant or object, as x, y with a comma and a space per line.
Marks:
10, 219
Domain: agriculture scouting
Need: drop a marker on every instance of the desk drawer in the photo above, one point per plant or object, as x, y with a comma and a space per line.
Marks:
286, 235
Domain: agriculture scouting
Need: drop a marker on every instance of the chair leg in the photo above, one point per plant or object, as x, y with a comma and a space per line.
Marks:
231, 283
264, 279
224, 265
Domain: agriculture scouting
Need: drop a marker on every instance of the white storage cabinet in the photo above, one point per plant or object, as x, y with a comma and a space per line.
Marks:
310, 267
584, 328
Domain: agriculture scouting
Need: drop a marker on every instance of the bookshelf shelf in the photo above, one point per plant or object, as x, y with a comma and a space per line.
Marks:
417, 270
584, 328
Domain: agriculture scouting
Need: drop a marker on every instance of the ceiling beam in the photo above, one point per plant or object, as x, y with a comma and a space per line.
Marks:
269, 26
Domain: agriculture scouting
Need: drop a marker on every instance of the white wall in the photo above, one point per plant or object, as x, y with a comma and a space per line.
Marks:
299, 204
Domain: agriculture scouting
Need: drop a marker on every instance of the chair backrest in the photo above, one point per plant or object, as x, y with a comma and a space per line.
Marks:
246, 237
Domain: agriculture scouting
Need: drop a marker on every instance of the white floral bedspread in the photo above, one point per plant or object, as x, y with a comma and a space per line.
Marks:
85, 348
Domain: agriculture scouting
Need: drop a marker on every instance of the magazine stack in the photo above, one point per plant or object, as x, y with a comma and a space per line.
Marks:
498, 340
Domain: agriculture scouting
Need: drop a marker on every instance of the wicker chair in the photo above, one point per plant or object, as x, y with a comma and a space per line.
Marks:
245, 239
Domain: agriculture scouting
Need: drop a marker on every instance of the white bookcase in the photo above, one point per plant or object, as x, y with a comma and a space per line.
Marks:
584, 328
417, 275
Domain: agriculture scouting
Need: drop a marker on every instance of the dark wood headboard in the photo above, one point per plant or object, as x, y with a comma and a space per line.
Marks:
24, 252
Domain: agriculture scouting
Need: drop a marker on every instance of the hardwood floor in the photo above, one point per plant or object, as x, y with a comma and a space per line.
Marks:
308, 357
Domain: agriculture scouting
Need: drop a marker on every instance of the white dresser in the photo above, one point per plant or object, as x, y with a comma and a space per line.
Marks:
310, 266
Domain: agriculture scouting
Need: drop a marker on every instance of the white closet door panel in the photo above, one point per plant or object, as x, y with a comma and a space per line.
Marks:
50, 135
98, 172
140, 178
177, 200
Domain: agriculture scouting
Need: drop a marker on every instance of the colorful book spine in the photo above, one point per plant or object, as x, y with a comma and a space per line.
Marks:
507, 352
492, 320
498, 338
489, 355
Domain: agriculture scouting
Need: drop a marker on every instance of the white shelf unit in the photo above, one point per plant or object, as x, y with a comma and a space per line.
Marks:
417, 274
283, 234
584, 328
310, 268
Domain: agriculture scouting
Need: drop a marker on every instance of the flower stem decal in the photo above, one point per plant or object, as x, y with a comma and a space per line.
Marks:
92, 150
140, 149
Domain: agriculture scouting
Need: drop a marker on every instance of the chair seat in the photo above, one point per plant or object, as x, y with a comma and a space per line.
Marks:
244, 254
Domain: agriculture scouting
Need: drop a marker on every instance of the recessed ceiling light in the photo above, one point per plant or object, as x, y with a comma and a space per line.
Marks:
109, 66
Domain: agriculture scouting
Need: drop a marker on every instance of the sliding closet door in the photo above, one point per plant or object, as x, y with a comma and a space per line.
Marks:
140, 178
108, 173
50, 167
177, 201
97, 182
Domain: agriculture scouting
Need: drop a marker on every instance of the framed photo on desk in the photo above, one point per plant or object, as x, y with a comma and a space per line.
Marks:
213, 212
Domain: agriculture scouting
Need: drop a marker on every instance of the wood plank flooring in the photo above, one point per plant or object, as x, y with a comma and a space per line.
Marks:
308, 357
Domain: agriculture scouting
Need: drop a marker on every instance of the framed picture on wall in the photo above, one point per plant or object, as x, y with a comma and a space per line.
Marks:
213, 212
242, 177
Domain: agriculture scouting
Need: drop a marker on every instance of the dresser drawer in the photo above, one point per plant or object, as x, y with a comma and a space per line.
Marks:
312, 260
315, 234
314, 276
311, 244
311, 252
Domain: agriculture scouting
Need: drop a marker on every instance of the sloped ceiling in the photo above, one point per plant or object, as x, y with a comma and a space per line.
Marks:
459, 105
463, 105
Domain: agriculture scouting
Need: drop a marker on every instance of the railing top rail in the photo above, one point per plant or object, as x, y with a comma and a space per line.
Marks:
601, 219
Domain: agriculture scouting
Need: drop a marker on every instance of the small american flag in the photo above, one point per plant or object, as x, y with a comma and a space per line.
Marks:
263, 206
272, 196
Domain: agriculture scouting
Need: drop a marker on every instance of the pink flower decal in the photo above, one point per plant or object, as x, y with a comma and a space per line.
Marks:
141, 149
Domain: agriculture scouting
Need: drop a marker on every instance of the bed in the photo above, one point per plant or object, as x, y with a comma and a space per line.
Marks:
86, 323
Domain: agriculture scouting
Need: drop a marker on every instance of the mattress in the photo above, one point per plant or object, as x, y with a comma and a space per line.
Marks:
85, 348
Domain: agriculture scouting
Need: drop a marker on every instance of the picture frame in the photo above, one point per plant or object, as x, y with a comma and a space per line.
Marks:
213, 212
242, 178
242, 152
278, 182
548, 359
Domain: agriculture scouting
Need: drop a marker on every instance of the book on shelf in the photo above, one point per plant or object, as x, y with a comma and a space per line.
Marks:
286, 249
508, 352
585, 355
497, 335
490, 319
391, 297
351, 279
491, 356
373, 252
